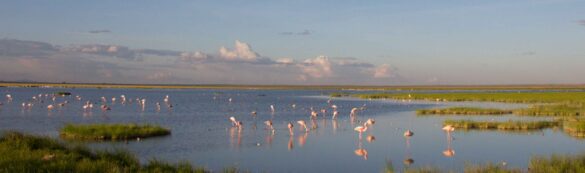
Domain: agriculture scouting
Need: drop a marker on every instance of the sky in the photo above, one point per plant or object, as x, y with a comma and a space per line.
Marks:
300, 42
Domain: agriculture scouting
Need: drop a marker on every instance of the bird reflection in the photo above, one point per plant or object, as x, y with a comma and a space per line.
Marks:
408, 157
334, 125
370, 138
361, 151
449, 152
235, 137
290, 143
303, 139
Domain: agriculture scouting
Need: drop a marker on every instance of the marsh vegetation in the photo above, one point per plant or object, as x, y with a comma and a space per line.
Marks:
111, 131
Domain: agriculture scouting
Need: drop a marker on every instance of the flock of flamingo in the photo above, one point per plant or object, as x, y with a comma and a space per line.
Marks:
104, 105
360, 129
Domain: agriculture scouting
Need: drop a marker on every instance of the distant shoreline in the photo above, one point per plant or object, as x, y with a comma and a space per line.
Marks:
297, 87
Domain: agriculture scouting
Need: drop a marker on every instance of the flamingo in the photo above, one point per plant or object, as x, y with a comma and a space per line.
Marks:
166, 100
50, 107
334, 107
449, 152
269, 125
230, 99
408, 133
303, 124
253, 113
8, 96
370, 121
448, 128
361, 129
314, 113
105, 108
335, 113
293, 106
290, 128
113, 100
157, 106
103, 99
353, 111
272, 108
235, 122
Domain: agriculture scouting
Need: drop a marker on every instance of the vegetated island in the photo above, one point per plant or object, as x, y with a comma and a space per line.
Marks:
111, 131
544, 103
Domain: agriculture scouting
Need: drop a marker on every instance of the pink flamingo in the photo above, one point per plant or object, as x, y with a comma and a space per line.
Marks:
303, 124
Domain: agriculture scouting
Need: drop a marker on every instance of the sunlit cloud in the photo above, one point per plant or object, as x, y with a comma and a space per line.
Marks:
237, 64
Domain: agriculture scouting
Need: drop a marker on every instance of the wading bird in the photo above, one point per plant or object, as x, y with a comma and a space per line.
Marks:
361, 129
269, 125
290, 128
303, 124
235, 122
408, 133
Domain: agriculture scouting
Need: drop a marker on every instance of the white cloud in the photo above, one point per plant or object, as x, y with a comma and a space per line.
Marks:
383, 71
240, 65
241, 51
317, 67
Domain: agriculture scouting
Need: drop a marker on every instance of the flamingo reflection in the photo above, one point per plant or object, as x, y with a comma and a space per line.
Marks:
303, 139
290, 143
361, 151
408, 157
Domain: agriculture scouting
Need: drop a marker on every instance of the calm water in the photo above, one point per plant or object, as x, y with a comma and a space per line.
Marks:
202, 133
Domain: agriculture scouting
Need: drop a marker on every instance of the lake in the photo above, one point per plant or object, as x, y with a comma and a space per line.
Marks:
203, 135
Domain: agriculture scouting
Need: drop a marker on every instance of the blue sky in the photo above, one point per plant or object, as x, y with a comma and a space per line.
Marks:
396, 42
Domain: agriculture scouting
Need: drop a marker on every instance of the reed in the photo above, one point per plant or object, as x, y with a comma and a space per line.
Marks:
111, 131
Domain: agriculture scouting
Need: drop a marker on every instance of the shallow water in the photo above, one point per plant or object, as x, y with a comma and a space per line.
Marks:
202, 134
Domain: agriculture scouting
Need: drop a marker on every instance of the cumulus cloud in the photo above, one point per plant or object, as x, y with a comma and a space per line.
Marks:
105, 50
239, 64
383, 71
242, 51
100, 31
318, 67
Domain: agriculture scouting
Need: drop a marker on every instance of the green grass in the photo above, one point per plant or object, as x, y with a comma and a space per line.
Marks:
545, 103
463, 111
491, 168
111, 131
26, 153
562, 109
508, 125
557, 163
